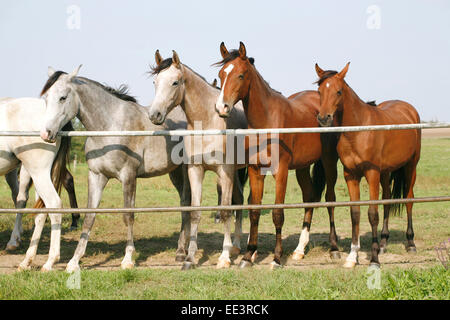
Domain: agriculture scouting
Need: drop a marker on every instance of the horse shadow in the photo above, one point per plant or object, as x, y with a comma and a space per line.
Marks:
210, 245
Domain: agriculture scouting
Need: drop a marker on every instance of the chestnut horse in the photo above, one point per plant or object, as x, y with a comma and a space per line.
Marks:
379, 156
266, 108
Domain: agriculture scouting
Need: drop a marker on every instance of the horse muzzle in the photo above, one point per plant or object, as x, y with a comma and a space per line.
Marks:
224, 110
48, 136
157, 118
325, 121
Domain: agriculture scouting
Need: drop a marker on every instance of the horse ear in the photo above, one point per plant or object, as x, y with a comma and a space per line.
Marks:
158, 58
214, 83
242, 50
223, 50
74, 72
343, 71
319, 71
50, 71
176, 59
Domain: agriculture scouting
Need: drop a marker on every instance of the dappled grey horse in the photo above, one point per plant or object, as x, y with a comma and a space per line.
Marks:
176, 84
124, 158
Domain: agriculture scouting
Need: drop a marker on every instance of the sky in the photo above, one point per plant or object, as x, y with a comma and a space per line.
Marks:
397, 49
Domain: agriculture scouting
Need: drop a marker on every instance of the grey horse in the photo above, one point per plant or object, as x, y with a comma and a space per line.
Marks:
99, 107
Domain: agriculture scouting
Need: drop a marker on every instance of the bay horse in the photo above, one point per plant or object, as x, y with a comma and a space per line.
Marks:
379, 156
267, 108
124, 158
44, 162
177, 84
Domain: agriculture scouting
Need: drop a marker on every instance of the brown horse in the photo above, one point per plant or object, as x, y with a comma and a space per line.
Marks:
379, 156
266, 108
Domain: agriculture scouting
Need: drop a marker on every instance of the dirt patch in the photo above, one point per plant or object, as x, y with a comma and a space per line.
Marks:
436, 133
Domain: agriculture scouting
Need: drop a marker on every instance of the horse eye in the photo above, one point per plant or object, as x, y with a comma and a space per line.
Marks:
175, 83
62, 99
241, 76
339, 92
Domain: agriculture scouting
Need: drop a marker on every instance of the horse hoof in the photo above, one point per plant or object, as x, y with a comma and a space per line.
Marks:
127, 265
254, 256
180, 257
275, 266
235, 251
245, 264
71, 268
223, 264
187, 265
374, 265
382, 250
411, 250
297, 256
46, 268
11, 247
349, 264
335, 255
23, 267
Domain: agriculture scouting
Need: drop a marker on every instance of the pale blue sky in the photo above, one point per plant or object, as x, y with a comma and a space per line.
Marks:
407, 58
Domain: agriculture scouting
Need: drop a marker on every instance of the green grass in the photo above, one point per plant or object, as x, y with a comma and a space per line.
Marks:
229, 285
403, 276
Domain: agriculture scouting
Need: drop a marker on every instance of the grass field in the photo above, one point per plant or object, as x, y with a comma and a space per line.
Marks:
157, 275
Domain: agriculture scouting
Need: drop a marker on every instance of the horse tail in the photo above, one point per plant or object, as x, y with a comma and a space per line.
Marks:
318, 180
59, 166
398, 190
243, 175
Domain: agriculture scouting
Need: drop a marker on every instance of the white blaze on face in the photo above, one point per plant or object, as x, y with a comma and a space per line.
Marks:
220, 103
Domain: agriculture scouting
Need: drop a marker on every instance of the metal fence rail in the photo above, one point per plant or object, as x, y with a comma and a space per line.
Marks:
236, 132
229, 132
230, 207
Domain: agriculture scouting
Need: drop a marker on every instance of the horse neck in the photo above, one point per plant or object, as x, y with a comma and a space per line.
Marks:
97, 107
353, 108
199, 100
260, 101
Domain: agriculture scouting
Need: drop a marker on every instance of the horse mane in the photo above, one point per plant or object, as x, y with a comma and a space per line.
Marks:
166, 63
372, 103
121, 92
326, 74
233, 54
51, 81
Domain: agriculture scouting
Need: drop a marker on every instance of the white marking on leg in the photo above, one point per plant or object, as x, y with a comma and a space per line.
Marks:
353, 256
303, 241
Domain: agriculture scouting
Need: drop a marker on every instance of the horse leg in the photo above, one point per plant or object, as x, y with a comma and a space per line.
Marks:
180, 180
129, 196
14, 241
353, 190
281, 177
238, 198
373, 178
51, 199
330, 167
410, 179
217, 218
385, 184
96, 184
226, 175
257, 190
70, 188
196, 174
305, 183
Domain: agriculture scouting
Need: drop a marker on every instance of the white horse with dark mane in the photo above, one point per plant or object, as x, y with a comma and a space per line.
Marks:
123, 158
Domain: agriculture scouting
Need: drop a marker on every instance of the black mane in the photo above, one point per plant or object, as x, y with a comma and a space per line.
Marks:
51, 81
233, 54
121, 92
166, 63
326, 74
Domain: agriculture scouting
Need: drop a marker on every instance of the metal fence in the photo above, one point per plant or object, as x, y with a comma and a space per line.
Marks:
231, 132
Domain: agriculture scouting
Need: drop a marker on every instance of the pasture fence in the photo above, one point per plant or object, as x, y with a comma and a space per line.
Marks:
236, 132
